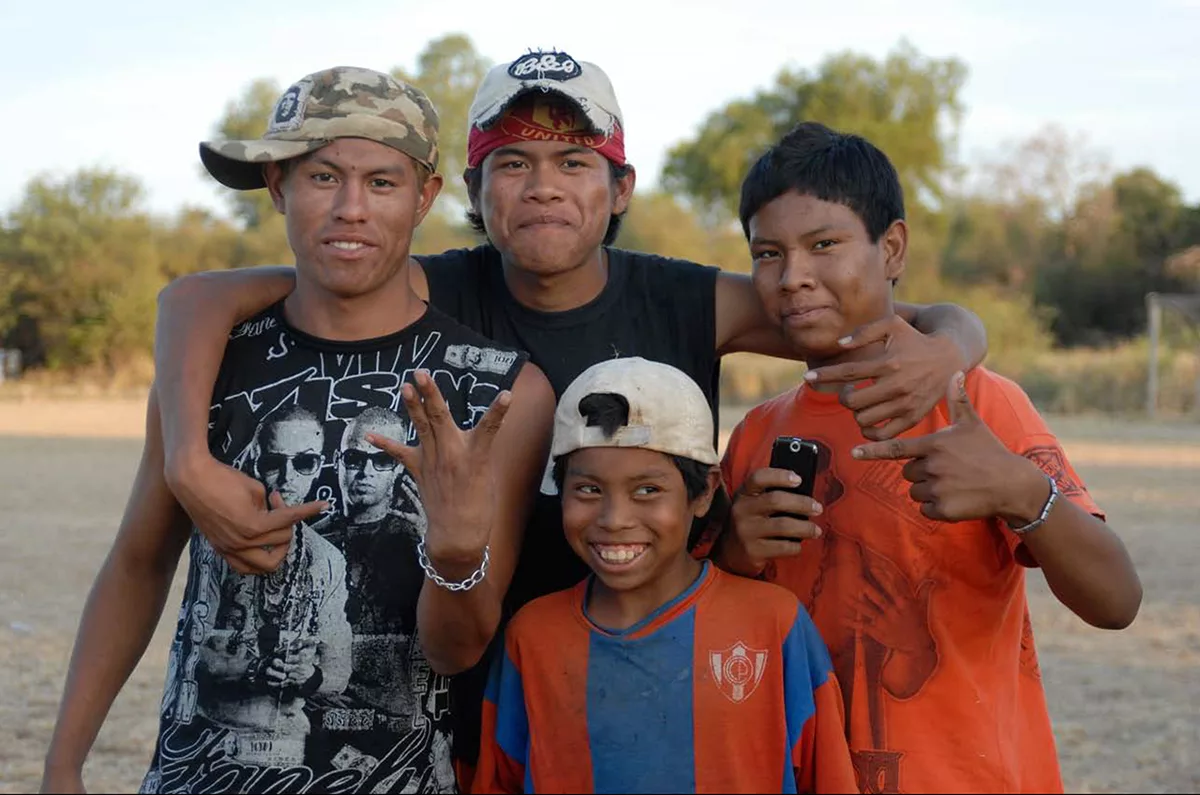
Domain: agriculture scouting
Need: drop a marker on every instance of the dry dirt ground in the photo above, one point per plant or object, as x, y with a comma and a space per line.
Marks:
1126, 706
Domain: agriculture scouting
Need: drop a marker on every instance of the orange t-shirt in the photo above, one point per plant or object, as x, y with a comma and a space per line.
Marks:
926, 621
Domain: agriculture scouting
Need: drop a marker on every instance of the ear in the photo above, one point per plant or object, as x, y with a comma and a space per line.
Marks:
703, 502
429, 191
275, 176
895, 249
473, 189
623, 193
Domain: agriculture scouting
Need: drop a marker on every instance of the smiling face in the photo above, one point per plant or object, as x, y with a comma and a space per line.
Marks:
626, 513
818, 272
351, 210
547, 204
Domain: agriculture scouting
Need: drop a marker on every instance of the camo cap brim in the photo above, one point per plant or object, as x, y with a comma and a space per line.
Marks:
239, 164
343, 102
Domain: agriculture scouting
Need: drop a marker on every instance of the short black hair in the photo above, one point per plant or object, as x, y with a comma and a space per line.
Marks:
832, 166
610, 411
474, 178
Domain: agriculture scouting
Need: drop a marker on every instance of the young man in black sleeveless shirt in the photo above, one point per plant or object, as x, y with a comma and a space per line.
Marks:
331, 673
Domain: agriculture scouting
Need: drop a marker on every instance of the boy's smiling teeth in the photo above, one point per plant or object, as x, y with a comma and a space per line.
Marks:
619, 553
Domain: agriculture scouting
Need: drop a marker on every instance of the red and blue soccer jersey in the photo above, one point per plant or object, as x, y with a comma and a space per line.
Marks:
727, 688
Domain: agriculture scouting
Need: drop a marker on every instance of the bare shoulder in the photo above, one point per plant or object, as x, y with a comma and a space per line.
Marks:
532, 387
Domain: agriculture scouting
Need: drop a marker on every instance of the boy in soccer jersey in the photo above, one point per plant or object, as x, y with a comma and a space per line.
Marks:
658, 673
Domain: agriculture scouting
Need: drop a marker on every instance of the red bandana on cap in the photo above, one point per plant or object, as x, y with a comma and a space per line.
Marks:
544, 119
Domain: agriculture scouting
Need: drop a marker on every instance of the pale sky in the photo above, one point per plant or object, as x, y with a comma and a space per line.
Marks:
135, 85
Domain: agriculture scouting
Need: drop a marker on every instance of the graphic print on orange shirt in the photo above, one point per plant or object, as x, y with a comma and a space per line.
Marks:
877, 624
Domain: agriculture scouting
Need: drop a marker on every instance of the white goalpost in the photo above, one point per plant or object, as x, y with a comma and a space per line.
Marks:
1186, 306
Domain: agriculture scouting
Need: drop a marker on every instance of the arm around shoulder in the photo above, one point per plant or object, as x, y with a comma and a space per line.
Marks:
195, 315
955, 324
742, 323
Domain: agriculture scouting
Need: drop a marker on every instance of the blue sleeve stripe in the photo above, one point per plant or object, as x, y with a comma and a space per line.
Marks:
806, 666
512, 723
492, 691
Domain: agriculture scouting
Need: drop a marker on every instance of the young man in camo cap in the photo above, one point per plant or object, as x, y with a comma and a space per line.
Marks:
331, 673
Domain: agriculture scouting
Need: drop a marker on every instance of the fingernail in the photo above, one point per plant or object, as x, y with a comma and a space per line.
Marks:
857, 452
817, 533
818, 508
845, 340
811, 375
793, 478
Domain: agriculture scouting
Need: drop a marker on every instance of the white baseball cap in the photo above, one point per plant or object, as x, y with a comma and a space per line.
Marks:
667, 413
583, 83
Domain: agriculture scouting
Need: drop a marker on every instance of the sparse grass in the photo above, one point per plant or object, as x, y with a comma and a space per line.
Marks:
1123, 704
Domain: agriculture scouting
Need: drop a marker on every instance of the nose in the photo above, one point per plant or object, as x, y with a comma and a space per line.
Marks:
797, 273
615, 514
544, 183
351, 204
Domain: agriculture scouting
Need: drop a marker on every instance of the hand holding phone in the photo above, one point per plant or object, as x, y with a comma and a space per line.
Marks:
765, 524
799, 456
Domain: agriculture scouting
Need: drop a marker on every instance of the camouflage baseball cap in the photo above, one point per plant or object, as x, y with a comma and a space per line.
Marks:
342, 102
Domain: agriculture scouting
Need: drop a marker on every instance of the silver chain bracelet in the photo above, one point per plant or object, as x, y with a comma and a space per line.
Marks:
1038, 522
467, 584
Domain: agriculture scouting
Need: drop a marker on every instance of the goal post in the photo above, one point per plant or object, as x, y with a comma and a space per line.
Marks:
1186, 306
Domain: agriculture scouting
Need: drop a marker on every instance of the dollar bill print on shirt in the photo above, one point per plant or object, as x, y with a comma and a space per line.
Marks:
312, 678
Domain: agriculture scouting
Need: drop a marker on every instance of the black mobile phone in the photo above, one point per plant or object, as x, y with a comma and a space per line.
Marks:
799, 456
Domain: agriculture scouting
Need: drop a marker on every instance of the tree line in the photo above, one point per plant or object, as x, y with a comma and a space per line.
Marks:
1045, 242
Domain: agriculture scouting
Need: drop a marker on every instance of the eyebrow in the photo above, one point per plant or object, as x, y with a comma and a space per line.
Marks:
391, 169
647, 474
820, 230
516, 151
574, 150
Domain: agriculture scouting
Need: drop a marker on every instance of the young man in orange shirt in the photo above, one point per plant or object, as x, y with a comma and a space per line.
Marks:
912, 559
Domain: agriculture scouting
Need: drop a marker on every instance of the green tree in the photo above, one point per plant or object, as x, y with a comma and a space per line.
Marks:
1002, 230
83, 261
907, 105
246, 118
196, 240
449, 70
1117, 244
659, 223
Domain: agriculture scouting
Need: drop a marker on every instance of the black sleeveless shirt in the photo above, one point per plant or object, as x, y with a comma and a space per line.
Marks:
654, 307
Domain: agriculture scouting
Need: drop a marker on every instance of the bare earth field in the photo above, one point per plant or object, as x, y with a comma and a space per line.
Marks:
1126, 706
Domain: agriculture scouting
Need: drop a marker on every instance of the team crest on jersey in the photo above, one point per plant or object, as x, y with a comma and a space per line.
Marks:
738, 670
488, 360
